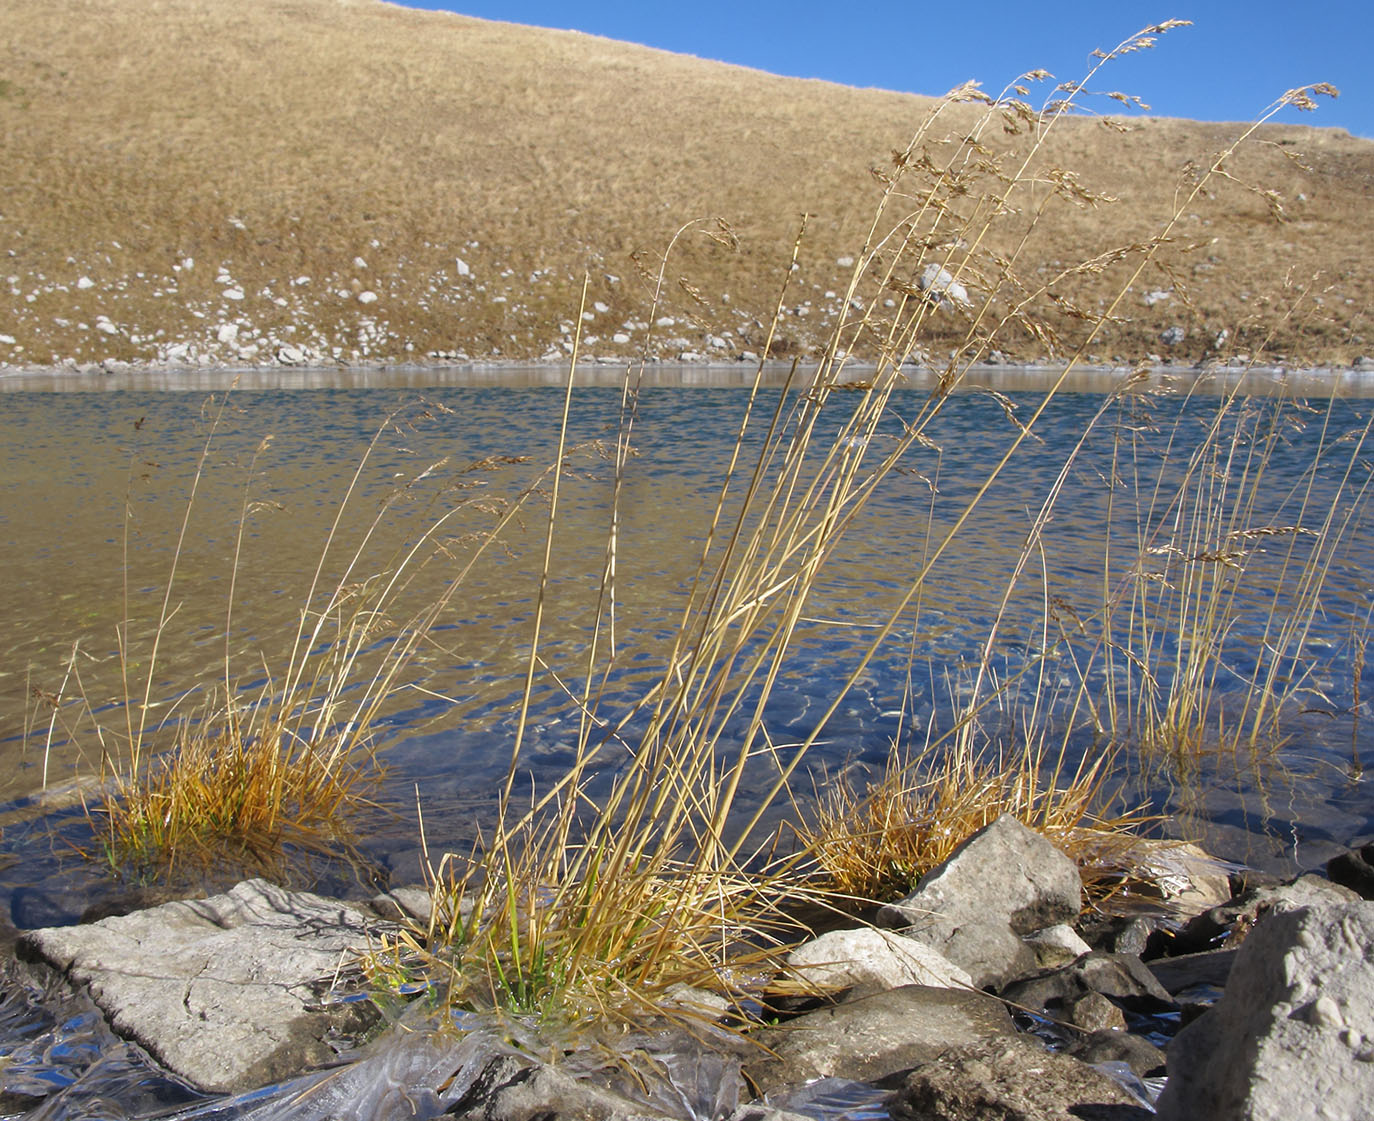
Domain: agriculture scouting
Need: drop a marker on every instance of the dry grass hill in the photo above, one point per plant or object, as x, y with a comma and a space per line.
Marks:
195, 180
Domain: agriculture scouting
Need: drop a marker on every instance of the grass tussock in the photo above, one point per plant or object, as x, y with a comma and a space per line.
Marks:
874, 844
228, 777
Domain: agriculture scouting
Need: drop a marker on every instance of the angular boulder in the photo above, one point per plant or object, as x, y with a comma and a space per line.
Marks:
1123, 978
225, 992
1003, 882
1293, 1033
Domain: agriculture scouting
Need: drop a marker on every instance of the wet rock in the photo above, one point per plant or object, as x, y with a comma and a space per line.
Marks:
1293, 1034
875, 1037
1013, 1079
1139, 935
1355, 870
223, 991
1135, 1051
34, 906
1003, 882
1119, 976
866, 961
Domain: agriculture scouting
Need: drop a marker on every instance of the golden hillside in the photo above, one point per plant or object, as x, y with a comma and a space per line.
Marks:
197, 180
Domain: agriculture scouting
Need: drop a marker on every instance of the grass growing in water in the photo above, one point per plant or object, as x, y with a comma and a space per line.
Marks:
583, 901
595, 896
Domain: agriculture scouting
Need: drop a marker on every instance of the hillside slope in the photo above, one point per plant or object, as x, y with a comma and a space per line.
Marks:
193, 180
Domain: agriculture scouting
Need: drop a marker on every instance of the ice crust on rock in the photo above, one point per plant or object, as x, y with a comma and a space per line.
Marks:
223, 991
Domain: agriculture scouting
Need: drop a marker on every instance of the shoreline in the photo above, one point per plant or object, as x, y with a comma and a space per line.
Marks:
1321, 381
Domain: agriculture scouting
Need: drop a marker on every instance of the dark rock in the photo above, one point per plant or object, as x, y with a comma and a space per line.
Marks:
1355, 870
1230, 922
1094, 1012
1003, 882
876, 1036
1293, 1034
1135, 1051
1137, 935
32, 907
1190, 970
223, 991
1119, 976
1012, 1079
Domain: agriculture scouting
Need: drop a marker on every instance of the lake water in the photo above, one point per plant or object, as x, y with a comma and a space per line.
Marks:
96, 485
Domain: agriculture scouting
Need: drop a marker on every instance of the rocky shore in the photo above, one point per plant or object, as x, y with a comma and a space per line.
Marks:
987, 992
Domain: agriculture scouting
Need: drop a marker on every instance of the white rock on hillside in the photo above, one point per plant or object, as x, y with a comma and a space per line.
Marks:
937, 283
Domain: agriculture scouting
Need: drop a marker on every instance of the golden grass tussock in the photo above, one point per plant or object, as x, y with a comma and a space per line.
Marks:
873, 845
177, 169
645, 864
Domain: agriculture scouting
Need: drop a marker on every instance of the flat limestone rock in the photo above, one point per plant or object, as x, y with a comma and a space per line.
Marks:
222, 991
866, 961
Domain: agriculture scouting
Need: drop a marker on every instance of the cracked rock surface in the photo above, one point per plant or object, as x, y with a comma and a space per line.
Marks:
222, 991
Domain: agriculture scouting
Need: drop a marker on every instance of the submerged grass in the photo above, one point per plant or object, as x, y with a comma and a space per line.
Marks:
645, 865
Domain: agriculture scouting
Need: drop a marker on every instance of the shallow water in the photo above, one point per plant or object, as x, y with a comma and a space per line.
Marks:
97, 486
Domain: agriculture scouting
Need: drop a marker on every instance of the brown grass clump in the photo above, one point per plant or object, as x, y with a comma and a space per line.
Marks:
220, 778
237, 797
873, 845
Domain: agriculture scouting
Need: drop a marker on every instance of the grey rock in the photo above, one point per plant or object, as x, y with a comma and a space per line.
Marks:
1172, 336
1093, 1012
1293, 1034
867, 961
1119, 976
1135, 1051
1003, 882
876, 1036
1013, 1079
1057, 945
223, 991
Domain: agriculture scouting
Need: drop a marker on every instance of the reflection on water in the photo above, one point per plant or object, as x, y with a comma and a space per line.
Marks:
92, 506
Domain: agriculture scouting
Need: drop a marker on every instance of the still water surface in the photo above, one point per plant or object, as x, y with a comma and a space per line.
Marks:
96, 487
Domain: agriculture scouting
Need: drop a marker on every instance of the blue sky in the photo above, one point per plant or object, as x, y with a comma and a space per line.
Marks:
1238, 56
